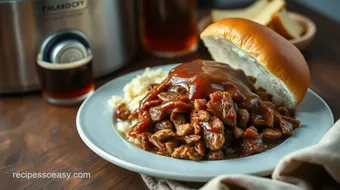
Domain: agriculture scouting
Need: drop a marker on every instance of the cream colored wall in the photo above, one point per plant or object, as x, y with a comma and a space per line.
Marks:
330, 8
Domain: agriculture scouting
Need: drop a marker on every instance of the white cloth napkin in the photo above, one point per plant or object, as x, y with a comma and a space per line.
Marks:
315, 167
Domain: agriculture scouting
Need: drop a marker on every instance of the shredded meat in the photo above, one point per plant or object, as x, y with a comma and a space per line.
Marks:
229, 151
178, 119
200, 148
251, 145
237, 132
164, 124
286, 127
170, 147
186, 152
242, 118
200, 104
167, 96
180, 152
184, 129
157, 114
213, 133
286, 124
193, 155
144, 123
264, 117
175, 104
163, 134
215, 155
122, 112
177, 89
208, 111
251, 132
271, 134
144, 141
229, 137
222, 106
158, 144
200, 115
293, 121
192, 139
265, 96
282, 110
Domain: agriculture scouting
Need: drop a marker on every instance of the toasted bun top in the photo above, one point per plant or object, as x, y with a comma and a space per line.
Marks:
276, 63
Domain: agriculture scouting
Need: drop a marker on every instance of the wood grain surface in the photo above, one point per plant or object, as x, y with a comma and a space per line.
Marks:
38, 137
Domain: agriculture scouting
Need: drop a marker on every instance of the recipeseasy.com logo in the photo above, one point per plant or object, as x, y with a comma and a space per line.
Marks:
50, 175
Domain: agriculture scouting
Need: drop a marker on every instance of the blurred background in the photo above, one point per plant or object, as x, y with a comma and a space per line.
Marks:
117, 31
329, 8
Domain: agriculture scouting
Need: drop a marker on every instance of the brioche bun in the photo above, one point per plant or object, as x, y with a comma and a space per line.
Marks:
276, 63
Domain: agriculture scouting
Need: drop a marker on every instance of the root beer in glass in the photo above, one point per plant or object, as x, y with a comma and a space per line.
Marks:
169, 27
66, 83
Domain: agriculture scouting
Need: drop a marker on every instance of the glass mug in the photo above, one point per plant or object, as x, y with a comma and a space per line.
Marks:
66, 83
169, 27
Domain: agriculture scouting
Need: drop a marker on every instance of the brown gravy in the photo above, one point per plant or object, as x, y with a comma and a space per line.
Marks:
202, 77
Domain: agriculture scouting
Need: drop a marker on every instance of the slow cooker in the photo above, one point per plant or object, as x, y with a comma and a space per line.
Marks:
108, 27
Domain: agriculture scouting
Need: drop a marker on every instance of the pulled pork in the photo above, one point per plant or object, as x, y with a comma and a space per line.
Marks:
209, 123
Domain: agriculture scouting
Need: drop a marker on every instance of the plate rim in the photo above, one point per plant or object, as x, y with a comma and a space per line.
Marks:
150, 171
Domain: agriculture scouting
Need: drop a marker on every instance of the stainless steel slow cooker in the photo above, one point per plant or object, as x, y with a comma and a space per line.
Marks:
108, 27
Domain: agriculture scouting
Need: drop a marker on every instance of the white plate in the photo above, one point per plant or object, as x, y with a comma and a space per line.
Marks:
94, 124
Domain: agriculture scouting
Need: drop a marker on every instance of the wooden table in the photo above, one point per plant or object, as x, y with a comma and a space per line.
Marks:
38, 137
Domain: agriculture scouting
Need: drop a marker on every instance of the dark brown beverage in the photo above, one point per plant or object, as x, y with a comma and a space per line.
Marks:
169, 27
66, 83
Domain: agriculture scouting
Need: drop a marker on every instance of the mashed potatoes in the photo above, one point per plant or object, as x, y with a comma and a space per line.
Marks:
134, 92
